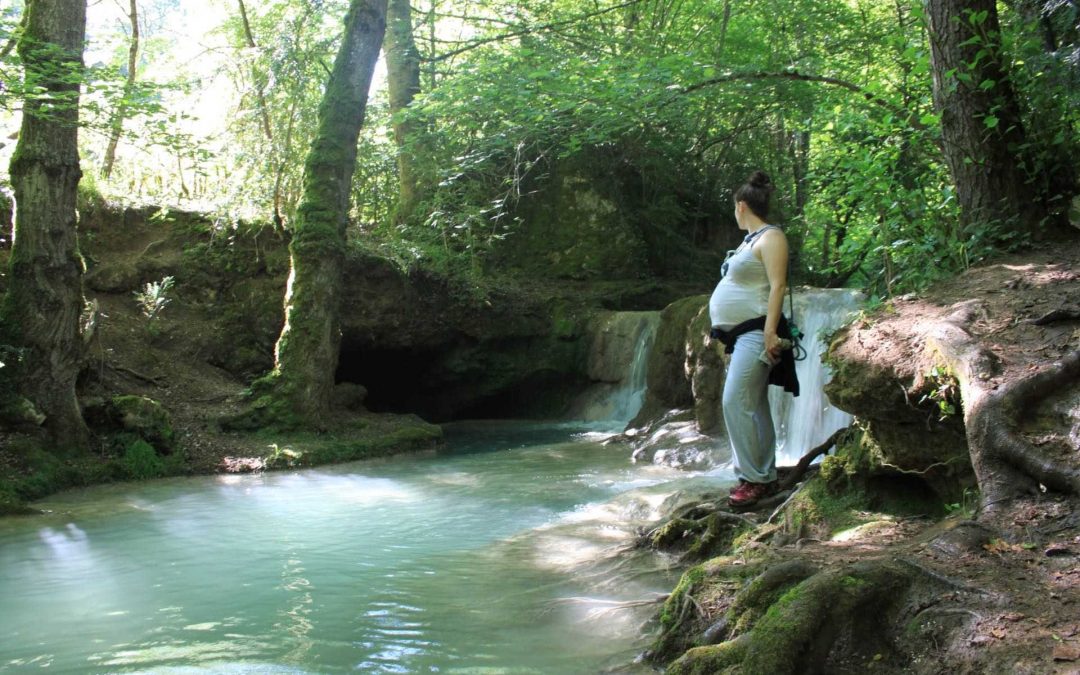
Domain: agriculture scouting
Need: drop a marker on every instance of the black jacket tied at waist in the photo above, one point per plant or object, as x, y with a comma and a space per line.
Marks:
783, 373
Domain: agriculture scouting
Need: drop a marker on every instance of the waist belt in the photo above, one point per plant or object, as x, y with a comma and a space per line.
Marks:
783, 373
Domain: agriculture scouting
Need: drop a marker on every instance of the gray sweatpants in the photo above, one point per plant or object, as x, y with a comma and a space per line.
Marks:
746, 411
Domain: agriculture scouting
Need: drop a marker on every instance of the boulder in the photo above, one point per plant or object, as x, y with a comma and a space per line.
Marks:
146, 418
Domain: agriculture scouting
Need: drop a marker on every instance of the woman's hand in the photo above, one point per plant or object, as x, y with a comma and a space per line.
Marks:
772, 344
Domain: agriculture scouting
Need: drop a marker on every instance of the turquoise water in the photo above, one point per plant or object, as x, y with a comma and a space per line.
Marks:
508, 552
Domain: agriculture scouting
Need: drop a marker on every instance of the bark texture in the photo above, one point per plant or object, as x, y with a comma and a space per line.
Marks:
306, 354
44, 304
981, 126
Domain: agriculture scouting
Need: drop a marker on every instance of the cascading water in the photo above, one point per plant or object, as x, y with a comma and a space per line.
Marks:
805, 421
802, 422
618, 362
631, 392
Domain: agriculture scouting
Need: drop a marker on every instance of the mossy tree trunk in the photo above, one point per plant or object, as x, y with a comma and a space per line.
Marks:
307, 350
983, 135
44, 302
403, 84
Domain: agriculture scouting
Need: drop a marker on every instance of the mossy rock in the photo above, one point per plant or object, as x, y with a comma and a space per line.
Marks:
805, 621
145, 417
19, 411
669, 385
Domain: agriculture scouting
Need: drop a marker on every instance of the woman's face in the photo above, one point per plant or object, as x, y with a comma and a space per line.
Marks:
740, 207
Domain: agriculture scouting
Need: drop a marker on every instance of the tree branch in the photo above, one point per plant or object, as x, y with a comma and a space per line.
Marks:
870, 96
804, 462
528, 31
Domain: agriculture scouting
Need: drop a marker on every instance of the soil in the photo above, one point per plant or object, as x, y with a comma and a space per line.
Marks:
1028, 309
1011, 296
167, 359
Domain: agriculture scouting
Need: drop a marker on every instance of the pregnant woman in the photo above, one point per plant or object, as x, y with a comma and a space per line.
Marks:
745, 310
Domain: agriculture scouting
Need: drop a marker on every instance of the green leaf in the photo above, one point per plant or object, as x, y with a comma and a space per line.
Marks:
991, 121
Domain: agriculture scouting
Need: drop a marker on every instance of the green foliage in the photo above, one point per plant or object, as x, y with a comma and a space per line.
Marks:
944, 392
152, 299
671, 106
280, 83
966, 507
281, 457
141, 461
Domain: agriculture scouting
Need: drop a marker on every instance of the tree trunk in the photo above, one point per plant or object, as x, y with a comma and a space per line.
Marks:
403, 84
44, 301
260, 81
129, 85
981, 127
307, 350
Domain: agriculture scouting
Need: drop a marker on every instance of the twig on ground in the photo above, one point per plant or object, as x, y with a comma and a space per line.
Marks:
156, 381
1055, 316
805, 460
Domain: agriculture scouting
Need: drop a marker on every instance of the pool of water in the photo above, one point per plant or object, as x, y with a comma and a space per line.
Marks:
510, 551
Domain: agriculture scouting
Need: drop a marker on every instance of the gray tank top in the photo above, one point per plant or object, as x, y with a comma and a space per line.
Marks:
743, 292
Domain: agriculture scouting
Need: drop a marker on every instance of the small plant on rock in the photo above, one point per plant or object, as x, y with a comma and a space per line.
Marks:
945, 392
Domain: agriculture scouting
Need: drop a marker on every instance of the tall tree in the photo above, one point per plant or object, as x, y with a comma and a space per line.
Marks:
981, 125
259, 78
44, 302
403, 84
117, 124
307, 350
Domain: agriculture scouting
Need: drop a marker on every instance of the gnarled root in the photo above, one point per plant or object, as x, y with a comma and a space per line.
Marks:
792, 619
1006, 464
697, 530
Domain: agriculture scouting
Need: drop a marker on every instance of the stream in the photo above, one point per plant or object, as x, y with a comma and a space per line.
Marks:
504, 552
509, 550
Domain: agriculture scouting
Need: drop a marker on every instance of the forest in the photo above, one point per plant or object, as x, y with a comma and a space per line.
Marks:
242, 237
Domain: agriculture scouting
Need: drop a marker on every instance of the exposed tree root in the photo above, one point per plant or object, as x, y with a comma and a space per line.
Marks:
698, 530
1055, 316
1006, 465
795, 619
156, 381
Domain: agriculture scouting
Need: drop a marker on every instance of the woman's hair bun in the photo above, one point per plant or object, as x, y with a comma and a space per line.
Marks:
760, 179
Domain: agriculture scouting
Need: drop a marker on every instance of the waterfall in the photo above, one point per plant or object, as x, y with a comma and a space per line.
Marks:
617, 365
806, 421
630, 394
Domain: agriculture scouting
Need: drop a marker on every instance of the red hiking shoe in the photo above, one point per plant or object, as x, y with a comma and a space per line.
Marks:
748, 494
